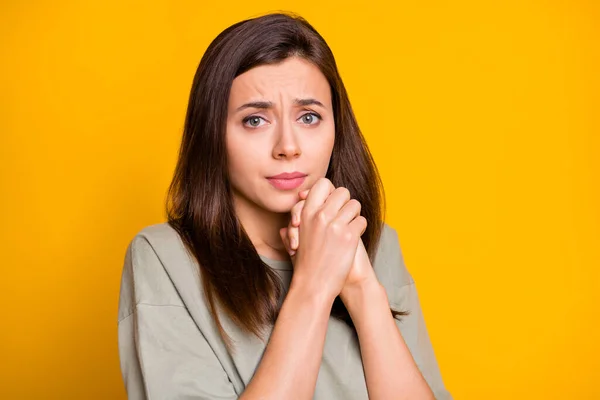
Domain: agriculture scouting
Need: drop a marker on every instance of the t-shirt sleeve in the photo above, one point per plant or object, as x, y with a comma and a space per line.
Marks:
403, 296
163, 354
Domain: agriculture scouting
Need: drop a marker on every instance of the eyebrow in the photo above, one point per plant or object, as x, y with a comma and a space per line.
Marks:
268, 104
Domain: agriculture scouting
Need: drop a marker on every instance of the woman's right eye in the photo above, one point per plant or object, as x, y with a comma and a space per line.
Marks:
253, 121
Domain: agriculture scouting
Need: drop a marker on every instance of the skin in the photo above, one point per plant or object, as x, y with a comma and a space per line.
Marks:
361, 272
284, 138
329, 258
383, 349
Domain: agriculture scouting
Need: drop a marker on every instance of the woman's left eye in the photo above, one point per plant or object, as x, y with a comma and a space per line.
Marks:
310, 118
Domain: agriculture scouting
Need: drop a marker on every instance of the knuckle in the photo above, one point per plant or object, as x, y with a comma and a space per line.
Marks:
347, 236
322, 216
324, 181
344, 191
336, 227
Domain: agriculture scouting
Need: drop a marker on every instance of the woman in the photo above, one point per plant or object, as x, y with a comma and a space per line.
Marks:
275, 274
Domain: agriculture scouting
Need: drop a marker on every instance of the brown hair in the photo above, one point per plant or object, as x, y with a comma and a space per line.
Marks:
201, 209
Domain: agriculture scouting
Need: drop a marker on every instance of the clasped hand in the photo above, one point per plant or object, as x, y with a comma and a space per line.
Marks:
330, 221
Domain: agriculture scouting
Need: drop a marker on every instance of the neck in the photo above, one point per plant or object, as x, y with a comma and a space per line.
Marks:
262, 227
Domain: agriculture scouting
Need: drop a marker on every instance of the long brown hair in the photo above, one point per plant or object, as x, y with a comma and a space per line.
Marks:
200, 203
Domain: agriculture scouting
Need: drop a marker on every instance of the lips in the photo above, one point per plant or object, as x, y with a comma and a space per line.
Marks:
288, 175
287, 180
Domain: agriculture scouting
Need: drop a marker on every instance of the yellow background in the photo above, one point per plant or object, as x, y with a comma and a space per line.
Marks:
483, 118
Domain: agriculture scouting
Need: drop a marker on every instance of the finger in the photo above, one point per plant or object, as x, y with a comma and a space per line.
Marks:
293, 238
349, 211
365, 227
297, 212
319, 192
303, 194
358, 226
283, 232
336, 201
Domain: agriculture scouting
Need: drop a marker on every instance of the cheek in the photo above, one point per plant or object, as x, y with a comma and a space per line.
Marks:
238, 159
242, 162
321, 149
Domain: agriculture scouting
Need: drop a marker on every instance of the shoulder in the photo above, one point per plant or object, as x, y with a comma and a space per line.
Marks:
389, 264
160, 241
157, 235
157, 244
154, 255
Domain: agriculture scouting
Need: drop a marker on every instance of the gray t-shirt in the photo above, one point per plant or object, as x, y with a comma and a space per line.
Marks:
170, 348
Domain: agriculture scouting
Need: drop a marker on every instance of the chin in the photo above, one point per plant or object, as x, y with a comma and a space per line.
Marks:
281, 203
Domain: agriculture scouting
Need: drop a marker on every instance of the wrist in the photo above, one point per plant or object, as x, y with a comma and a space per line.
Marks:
357, 297
366, 286
315, 297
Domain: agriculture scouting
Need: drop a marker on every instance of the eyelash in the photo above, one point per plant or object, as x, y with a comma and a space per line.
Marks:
248, 118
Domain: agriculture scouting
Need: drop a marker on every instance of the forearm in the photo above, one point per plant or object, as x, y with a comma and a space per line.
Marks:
390, 370
290, 364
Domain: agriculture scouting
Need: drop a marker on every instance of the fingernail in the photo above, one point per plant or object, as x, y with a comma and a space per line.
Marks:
294, 243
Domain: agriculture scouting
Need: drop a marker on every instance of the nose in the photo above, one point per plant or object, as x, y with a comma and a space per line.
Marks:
286, 145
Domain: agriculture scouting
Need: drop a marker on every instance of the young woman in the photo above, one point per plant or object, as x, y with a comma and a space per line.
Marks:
275, 276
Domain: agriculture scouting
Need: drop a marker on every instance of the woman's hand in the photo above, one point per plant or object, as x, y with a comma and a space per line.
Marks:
326, 243
361, 272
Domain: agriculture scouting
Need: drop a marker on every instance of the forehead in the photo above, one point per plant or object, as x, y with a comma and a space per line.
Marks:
294, 77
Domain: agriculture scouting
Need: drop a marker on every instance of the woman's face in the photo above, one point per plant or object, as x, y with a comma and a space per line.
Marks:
280, 120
